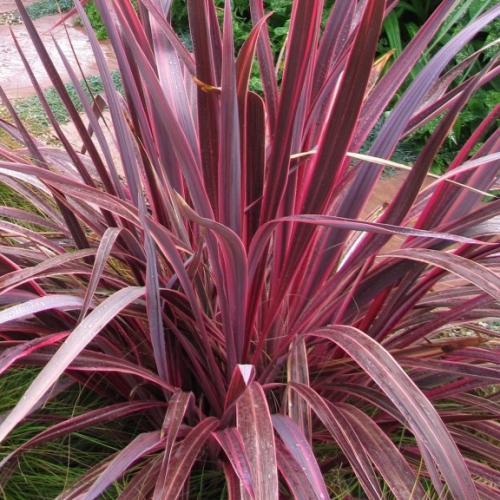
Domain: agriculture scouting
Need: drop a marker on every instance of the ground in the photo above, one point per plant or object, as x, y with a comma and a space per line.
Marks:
10, 5
14, 79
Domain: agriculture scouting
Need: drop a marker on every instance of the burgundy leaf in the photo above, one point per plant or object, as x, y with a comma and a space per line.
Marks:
176, 411
230, 182
242, 376
298, 371
142, 445
181, 462
25, 309
421, 416
103, 252
77, 340
301, 453
84, 421
9, 356
345, 436
256, 429
469, 270
232, 443
386, 457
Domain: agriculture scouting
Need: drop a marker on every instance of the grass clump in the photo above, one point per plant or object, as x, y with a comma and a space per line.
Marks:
43, 472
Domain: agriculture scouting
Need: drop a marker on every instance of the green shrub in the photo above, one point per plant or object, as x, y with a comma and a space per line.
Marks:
45, 471
51, 7
96, 21
278, 22
48, 8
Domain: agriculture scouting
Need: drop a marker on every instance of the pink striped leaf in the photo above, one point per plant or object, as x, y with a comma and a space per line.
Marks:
81, 336
422, 418
256, 429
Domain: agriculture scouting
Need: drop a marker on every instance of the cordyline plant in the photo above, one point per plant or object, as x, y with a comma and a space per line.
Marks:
222, 276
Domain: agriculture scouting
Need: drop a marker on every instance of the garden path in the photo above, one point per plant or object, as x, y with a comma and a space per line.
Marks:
10, 5
13, 77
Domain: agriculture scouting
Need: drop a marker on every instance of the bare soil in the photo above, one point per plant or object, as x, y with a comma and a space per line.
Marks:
13, 76
10, 5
